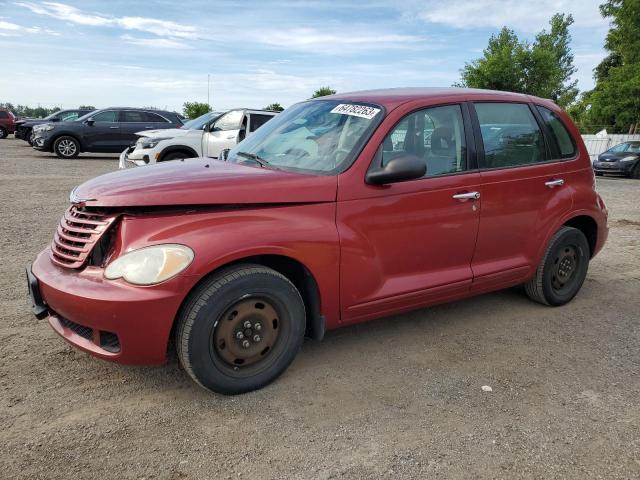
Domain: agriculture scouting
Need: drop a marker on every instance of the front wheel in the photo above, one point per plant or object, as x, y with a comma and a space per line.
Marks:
66, 147
240, 329
636, 171
562, 270
3, 133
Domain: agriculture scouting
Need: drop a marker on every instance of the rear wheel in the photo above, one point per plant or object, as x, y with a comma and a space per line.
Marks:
3, 133
562, 270
636, 171
66, 147
240, 329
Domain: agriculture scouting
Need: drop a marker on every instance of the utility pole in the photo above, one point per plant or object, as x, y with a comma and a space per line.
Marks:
208, 90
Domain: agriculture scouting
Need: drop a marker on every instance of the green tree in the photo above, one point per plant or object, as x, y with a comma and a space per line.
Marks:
615, 100
274, 107
323, 91
194, 109
543, 68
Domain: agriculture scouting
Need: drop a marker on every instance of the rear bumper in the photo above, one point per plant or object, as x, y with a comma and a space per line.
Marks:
88, 311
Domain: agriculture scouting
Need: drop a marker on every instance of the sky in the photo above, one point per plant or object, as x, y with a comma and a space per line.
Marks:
159, 53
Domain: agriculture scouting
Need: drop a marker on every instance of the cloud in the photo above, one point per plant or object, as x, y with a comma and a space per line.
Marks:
155, 42
68, 13
335, 41
518, 14
8, 29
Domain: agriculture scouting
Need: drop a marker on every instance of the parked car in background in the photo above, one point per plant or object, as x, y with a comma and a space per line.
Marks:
24, 127
339, 210
623, 159
205, 136
109, 130
7, 122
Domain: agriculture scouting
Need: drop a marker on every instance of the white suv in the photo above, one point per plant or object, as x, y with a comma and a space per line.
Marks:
205, 136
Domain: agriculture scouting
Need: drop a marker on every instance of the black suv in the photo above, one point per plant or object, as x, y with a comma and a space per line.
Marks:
24, 127
110, 130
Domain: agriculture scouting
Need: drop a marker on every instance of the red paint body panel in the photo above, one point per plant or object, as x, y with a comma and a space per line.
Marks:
372, 250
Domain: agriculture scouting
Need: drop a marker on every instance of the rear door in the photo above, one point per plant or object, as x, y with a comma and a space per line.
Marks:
525, 188
409, 244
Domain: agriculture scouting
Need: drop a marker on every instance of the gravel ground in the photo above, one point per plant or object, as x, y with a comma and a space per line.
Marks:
396, 398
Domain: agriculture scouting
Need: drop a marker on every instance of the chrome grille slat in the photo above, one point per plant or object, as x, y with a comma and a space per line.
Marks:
76, 235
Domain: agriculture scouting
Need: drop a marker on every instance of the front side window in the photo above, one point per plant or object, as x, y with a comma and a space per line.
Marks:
560, 136
107, 116
510, 134
318, 136
229, 121
435, 135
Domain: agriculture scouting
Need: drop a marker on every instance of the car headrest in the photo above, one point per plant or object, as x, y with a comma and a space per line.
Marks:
442, 141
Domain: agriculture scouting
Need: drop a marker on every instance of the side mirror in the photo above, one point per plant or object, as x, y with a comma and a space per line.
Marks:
90, 122
55, 119
399, 169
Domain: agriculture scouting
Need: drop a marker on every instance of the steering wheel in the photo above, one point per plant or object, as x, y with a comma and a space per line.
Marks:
336, 155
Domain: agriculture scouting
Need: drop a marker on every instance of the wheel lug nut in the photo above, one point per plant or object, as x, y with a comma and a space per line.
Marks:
245, 344
247, 324
257, 327
239, 335
256, 338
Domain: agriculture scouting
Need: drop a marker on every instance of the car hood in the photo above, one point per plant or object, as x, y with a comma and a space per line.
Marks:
167, 132
612, 156
203, 181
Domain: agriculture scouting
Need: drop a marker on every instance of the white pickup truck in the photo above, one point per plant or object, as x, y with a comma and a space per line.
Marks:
205, 136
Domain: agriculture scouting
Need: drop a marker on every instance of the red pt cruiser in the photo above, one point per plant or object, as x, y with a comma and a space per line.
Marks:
337, 211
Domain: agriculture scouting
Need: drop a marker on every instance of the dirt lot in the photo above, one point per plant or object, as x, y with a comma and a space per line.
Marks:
397, 398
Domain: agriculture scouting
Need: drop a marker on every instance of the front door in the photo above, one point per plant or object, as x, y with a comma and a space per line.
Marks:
104, 132
412, 243
223, 133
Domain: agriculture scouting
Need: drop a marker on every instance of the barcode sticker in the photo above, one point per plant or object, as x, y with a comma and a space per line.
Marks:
363, 111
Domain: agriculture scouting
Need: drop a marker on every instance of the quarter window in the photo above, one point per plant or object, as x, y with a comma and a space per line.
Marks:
510, 134
108, 116
560, 136
435, 135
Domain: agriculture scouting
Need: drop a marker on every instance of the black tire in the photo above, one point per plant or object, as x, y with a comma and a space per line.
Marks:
562, 270
27, 136
636, 171
66, 147
598, 174
3, 133
30, 139
213, 308
176, 156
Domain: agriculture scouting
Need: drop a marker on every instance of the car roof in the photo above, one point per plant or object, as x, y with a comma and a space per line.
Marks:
138, 109
393, 97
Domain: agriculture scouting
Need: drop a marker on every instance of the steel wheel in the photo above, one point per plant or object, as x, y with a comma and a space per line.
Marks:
246, 332
565, 267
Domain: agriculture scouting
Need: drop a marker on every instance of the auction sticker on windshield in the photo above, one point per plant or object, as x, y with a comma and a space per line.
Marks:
363, 111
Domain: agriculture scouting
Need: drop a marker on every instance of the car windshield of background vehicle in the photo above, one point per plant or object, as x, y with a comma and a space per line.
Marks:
320, 136
201, 121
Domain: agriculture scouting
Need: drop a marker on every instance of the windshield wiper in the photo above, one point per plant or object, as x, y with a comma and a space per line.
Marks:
256, 158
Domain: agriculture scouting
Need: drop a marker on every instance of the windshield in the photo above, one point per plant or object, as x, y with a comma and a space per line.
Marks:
320, 136
201, 121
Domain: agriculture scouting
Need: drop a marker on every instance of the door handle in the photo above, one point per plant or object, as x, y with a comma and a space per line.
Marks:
114, 127
467, 196
554, 183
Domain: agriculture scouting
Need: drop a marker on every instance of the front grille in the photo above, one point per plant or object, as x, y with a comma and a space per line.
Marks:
81, 330
78, 232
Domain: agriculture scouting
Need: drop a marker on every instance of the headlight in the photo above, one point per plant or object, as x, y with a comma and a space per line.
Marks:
152, 142
150, 265
46, 128
629, 158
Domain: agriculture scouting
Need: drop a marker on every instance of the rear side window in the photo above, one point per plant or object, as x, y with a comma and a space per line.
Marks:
131, 116
4, 115
153, 117
510, 134
258, 120
560, 136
